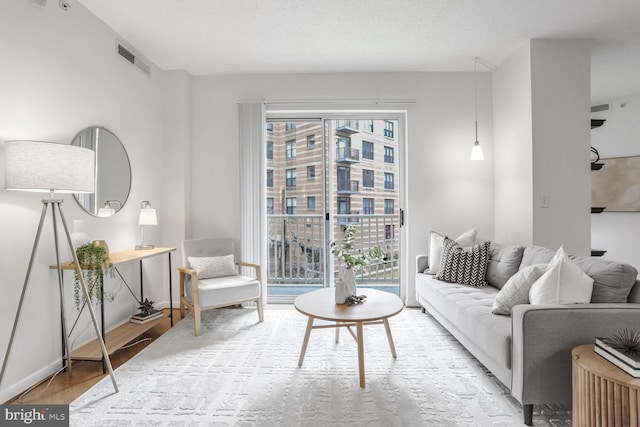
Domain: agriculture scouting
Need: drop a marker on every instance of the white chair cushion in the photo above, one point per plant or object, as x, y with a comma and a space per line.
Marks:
217, 266
221, 291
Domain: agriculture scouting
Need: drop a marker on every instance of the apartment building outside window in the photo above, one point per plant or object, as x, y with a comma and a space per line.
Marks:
388, 129
388, 181
289, 126
291, 205
367, 178
290, 148
388, 154
311, 141
269, 127
270, 205
291, 177
367, 125
367, 206
388, 206
367, 150
311, 172
269, 178
311, 203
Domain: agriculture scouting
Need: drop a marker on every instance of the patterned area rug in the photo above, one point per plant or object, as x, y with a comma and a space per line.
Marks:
243, 373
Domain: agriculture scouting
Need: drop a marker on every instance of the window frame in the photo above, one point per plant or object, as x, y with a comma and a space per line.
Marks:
291, 176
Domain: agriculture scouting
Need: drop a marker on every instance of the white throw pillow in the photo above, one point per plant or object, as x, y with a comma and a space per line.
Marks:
516, 290
563, 283
466, 239
209, 267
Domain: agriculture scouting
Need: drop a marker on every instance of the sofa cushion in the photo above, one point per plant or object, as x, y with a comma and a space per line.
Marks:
516, 290
536, 255
469, 309
467, 266
436, 244
504, 262
612, 281
562, 283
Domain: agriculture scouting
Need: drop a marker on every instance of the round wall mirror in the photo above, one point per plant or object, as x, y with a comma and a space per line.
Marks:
113, 172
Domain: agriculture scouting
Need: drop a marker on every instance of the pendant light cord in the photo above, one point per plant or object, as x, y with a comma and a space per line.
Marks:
475, 91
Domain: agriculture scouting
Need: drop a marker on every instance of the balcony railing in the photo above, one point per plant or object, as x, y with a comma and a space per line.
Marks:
347, 154
351, 217
295, 253
296, 248
348, 126
348, 186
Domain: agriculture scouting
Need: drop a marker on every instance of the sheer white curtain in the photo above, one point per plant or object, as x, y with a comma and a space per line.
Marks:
251, 121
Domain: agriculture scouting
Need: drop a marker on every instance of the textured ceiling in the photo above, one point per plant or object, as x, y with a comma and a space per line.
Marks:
286, 36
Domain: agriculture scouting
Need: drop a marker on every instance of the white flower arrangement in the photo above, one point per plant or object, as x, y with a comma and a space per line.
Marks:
360, 260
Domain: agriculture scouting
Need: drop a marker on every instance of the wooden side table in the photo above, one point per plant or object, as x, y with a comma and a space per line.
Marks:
123, 334
603, 394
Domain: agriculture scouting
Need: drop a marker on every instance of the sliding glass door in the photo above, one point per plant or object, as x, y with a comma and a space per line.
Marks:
322, 175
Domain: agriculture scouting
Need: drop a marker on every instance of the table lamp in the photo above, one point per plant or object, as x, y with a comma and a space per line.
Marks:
147, 217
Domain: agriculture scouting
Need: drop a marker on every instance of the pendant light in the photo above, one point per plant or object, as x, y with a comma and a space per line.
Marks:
476, 150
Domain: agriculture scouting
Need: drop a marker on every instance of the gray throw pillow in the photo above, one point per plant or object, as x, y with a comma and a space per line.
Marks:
503, 263
516, 290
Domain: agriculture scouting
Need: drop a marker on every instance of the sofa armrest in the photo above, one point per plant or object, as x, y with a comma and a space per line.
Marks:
543, 337
422, 263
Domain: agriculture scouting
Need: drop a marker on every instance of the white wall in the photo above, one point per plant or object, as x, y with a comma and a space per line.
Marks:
513, 166
59, 75
541, 110
561, 87
616, 232
445, 190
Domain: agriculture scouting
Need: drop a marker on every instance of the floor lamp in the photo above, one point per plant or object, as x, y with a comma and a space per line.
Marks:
51, 167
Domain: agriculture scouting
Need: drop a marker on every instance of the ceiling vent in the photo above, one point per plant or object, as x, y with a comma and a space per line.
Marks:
131, 58
600, 107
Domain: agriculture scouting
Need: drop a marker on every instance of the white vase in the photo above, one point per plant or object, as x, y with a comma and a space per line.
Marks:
345, 285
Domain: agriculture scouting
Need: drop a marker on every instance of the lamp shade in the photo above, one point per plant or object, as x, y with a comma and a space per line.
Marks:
476, 151
147, 215
48, 166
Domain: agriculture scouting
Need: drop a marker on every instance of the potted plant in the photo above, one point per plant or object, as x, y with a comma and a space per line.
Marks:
95, 263
352, 263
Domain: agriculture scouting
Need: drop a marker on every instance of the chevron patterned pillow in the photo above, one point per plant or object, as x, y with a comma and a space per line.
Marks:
467, 266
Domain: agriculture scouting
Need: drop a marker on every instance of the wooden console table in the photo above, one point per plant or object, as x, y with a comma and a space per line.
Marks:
123, 334
603, 394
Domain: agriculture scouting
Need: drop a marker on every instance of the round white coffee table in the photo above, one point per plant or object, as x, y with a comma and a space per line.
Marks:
376, 310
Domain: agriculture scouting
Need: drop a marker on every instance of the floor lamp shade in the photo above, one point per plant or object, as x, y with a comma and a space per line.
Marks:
48, 166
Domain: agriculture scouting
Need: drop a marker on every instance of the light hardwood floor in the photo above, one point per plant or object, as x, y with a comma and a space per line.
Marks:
65, 387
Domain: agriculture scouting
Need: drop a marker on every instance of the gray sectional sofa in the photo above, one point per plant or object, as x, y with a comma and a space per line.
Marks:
530, 351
